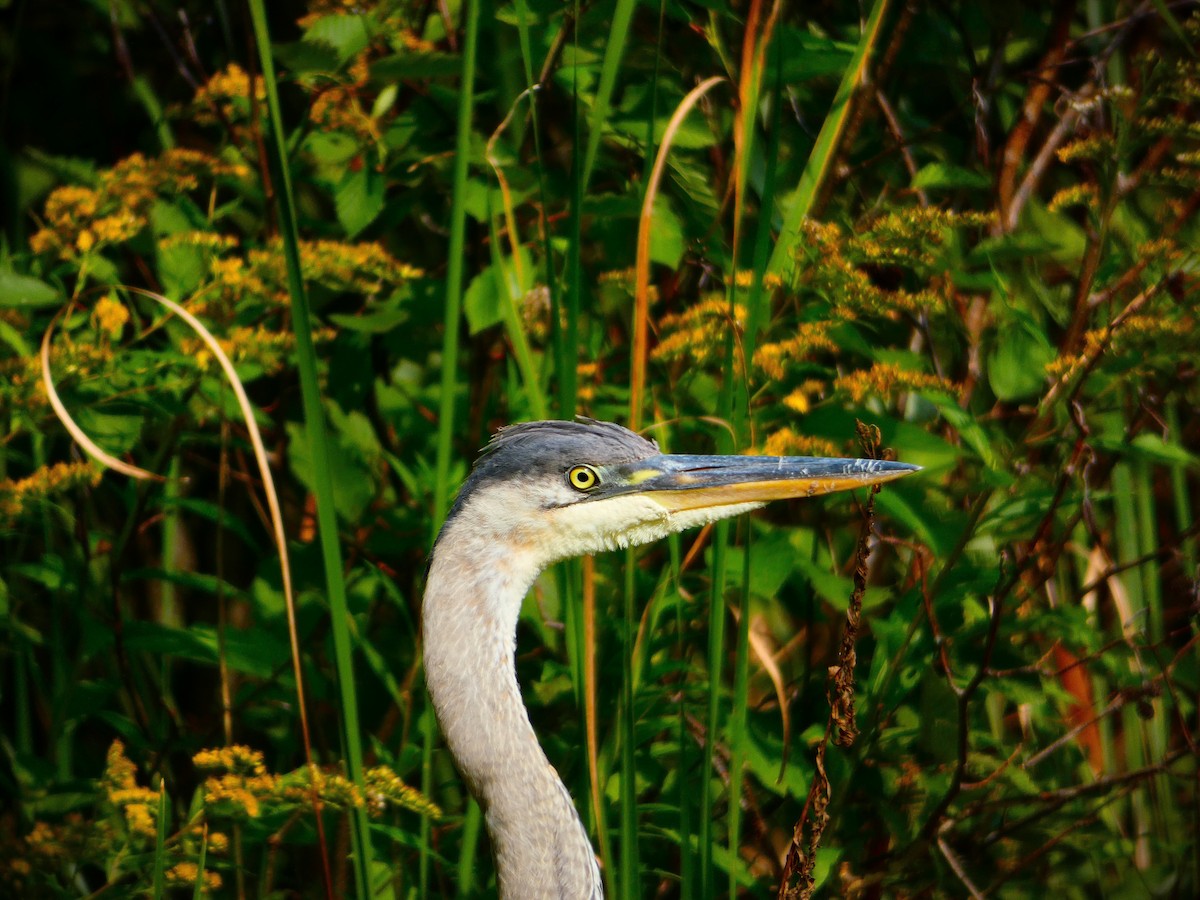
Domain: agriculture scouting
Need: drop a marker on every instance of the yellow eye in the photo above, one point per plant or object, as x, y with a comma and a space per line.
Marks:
583, 478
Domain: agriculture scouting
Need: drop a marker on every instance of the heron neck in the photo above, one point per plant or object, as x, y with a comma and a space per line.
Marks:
472, 600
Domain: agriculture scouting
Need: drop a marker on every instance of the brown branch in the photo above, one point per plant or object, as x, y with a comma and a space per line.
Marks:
797, 881
1035, 99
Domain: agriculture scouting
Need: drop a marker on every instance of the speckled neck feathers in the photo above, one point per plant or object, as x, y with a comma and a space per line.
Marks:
473, 599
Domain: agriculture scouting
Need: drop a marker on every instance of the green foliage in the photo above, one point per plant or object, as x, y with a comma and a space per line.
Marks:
975, 228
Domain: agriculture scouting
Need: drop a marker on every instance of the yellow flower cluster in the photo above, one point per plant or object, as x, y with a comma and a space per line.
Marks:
138, 805
241, 783
1093, 147
1143, 336
365, 269
362, 268
698, 334
833, 268
17, 495
1180, 176
338, 108
1087, 195
240, 796
887, 379
586, 380
801, 399
385, 787
626, 279
79, 220
187, 874
808, 338
49, 847
21, 377
207, 240
110, 316
236, 758
44, 838
266, 348
226, 96
333, 788
745, 278
786, 442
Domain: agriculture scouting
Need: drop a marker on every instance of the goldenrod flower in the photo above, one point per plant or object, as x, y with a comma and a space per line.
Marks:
887, 379
1077, 195
110, 316
16, 496
187, 874
786, 442
384, 787
699, 333
236, 758
809, 339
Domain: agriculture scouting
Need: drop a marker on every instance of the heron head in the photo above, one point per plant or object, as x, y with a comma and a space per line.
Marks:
563, 489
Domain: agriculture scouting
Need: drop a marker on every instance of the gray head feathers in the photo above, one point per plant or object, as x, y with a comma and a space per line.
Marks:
536, 449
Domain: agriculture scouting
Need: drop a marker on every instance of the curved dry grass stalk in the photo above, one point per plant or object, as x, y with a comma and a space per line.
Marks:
510, 218
641, 301
92, 449
260, 456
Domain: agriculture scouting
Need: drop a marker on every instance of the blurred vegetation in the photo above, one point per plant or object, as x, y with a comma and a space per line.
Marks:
972, 225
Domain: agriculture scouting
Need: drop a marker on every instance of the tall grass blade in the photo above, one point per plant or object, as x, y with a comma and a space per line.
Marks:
160, 842
319, 452
641, 307
614, 48
452, 312
472, 823
201, 861
825, 149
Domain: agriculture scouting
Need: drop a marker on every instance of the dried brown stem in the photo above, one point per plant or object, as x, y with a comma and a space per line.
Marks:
797, 880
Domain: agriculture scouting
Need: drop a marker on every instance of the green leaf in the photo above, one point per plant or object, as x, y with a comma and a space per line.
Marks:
1153, 448
347, 35
26, 292
353, 482
378, 320
807, 55
256, 652
1017, 366
359, 199
947, 176
425, 66
968, 429
115, 433
772, 559
666, 234
481, 302
13, 339
331, 147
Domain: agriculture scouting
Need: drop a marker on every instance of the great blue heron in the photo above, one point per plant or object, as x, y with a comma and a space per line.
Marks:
539, 493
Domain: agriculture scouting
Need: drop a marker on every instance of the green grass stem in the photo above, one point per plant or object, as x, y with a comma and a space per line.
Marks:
160, 842
468, 851
319, 453
614, 49
630, 858
824, 151
201, 862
